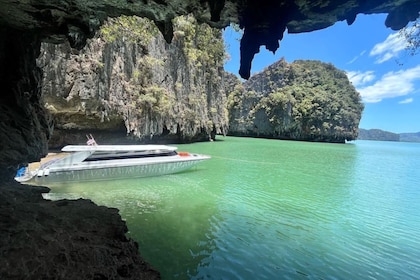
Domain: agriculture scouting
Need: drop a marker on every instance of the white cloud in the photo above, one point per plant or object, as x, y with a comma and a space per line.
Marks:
358, 78
389, 48
356, 57
353, 60
406, 101
392, 84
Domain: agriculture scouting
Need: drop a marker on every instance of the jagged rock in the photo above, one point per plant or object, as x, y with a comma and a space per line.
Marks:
66, 239
25, 125
263, 21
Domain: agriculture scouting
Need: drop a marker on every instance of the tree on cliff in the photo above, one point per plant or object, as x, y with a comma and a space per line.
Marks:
305, 100
412, 34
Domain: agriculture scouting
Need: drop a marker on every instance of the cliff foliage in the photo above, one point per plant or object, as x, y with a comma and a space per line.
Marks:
411, 34
129, 76
304, 100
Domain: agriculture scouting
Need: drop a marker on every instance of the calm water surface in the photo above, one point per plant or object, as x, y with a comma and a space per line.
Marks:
269, 209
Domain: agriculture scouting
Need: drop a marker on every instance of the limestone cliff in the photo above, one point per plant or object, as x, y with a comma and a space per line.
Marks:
304, 100
24, 124
141, 83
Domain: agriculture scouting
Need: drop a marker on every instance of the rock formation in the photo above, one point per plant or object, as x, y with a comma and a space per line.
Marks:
25, 126
304, 100
263, 21
153, 90
67, 239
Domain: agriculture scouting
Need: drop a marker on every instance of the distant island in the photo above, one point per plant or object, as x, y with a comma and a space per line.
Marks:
410, 137
382, 135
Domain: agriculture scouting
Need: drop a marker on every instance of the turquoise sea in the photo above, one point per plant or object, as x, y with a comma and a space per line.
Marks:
271, 209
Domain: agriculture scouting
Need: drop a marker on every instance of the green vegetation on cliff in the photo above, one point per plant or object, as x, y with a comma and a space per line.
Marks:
128, 74
304, 100
188, 105
134, 29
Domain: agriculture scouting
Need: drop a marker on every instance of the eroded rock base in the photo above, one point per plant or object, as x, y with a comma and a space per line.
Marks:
66, 239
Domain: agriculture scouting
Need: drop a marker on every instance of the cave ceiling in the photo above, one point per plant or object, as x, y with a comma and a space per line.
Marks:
263, 21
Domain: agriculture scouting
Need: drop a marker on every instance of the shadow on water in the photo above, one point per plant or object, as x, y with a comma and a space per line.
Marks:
166, 215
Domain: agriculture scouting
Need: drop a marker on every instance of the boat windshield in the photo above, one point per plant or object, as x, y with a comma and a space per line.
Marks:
101, 155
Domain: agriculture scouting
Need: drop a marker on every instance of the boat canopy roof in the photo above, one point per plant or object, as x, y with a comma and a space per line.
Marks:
116, 148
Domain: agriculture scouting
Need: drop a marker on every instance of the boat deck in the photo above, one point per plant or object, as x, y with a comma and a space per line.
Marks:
51, 156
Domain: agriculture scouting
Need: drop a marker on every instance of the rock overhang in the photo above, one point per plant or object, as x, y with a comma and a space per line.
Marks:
263, 21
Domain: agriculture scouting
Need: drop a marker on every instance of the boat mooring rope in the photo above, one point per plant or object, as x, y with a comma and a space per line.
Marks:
248, 161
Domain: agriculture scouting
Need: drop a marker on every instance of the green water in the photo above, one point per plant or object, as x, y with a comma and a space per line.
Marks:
269, 209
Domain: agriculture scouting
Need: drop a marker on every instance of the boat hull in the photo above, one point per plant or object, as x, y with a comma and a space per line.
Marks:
98, 171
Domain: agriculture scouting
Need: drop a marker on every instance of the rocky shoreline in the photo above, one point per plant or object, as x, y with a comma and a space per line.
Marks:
65, 239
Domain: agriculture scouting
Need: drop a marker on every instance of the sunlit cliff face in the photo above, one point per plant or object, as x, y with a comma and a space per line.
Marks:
25, 126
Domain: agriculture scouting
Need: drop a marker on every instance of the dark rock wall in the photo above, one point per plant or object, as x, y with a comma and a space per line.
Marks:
263, 21
25, 125
66, 239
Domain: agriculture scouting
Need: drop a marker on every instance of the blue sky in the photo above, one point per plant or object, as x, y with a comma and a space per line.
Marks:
374, 57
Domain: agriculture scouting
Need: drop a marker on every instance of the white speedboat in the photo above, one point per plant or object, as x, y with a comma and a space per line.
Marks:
107, 162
